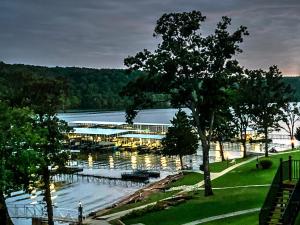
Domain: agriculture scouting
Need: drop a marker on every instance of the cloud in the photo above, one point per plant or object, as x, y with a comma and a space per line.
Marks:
95, 33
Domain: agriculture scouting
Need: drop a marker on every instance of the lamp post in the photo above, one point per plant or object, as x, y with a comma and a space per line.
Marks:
293, 142
80, 217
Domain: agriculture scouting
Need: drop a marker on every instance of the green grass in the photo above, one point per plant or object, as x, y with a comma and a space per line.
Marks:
251, 219
247, 174
189, 178
222, 202
220, 166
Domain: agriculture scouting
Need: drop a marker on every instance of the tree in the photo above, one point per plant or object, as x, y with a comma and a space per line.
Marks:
18, 158
190, 69
290, 115
241, 109
180, 139
224, 130
44, 96
268, 95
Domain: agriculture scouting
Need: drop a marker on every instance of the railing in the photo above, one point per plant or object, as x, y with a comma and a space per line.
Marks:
271, 197
39, 211
293, 206
288, 170
295, 169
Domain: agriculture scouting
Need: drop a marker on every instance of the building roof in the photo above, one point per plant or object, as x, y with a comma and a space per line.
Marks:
115, 123
143, 136
98, 131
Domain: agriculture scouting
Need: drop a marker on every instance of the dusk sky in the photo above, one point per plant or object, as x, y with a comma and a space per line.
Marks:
101, 33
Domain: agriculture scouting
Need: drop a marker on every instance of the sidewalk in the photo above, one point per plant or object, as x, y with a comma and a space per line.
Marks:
185, 188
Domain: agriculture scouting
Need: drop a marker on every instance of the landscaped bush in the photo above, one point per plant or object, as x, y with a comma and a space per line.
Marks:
265, 163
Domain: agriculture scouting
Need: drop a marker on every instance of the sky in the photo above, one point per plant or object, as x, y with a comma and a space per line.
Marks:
101, 33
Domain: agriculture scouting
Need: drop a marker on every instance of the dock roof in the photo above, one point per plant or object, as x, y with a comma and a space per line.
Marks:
115, 123
98, 131
143, 136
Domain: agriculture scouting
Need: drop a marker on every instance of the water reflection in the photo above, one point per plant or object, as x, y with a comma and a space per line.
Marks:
163, 162
147, 162
90, 161
133, 162
111, 162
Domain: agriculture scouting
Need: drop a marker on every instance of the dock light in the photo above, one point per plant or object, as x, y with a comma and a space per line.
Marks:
293, 142
80, 216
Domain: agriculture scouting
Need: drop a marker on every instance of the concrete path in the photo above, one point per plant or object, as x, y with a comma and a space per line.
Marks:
96, 222
185, 188
223, 216
118, 215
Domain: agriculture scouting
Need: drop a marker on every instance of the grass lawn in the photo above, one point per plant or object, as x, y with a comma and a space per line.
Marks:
220, 166
251, 218
247, 174
189, 178
223, 201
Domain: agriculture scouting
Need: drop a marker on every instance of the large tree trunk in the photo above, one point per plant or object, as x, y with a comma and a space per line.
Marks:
244, 148
207, 182
4, 216
47, 195
205, 142
244, 140
292, 142
221, 150
266, 142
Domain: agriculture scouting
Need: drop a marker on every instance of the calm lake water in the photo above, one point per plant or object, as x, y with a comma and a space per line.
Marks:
95, 195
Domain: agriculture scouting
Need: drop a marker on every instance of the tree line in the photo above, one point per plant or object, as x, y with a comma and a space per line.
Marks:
95, 89
88, 89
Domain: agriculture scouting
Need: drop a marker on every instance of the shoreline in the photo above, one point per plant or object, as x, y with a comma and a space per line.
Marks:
138, 195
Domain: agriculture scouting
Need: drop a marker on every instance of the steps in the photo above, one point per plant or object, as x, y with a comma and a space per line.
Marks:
282, 203
282, 199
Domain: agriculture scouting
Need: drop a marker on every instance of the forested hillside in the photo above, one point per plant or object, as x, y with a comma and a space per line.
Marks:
295, 83
94, 89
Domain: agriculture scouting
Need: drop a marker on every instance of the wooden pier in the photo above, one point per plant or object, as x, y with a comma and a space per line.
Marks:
100, 179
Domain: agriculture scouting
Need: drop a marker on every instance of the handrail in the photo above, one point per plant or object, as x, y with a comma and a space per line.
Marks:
271, 197
288, 170
293, 206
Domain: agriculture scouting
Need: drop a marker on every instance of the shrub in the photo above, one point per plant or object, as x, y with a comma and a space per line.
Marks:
265, 163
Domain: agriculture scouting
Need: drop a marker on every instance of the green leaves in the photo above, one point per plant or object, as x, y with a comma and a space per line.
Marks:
181, 138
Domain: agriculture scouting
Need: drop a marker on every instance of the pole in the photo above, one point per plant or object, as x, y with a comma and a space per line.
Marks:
80, 217
290, 168
281, 171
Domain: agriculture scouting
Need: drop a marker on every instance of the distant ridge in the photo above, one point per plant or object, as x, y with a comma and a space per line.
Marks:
96, 89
